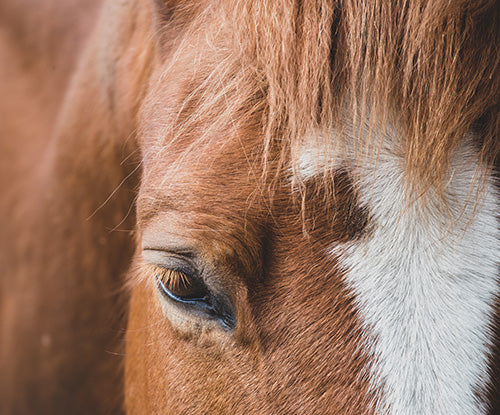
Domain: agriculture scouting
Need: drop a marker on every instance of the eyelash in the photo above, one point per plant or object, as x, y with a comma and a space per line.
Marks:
179, 286
201, 298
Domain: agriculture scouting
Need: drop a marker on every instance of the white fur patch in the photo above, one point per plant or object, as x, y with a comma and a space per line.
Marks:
425, 285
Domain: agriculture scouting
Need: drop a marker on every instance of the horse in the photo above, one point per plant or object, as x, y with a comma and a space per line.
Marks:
249, 207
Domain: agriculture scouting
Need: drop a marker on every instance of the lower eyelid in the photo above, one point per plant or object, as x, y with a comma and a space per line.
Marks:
211, 310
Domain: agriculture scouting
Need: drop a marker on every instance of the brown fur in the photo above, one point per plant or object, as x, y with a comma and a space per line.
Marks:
416, 65
63, 152
217, 97
267, 262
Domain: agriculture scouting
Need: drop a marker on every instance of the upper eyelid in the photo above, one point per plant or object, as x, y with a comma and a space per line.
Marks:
165, 257
177, 251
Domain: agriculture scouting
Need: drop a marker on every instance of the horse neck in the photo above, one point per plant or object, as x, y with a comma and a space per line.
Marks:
75, 195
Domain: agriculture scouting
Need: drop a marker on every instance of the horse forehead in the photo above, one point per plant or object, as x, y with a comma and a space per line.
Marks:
209, 164
205, 184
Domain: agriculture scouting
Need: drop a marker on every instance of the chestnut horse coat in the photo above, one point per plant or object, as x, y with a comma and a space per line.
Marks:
234, 207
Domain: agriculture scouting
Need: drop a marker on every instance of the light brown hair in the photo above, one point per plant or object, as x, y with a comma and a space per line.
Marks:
429, 68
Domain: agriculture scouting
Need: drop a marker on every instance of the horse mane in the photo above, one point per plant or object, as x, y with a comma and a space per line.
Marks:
302, 66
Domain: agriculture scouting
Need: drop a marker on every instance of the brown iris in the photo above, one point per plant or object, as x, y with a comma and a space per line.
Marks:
182, 287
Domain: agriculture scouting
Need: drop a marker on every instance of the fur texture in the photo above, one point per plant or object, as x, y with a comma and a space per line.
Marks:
195, 113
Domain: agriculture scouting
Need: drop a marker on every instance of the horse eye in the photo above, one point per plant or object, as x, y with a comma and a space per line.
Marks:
182, 287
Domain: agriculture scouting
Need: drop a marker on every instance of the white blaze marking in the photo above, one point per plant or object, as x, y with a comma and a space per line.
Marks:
425, 285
